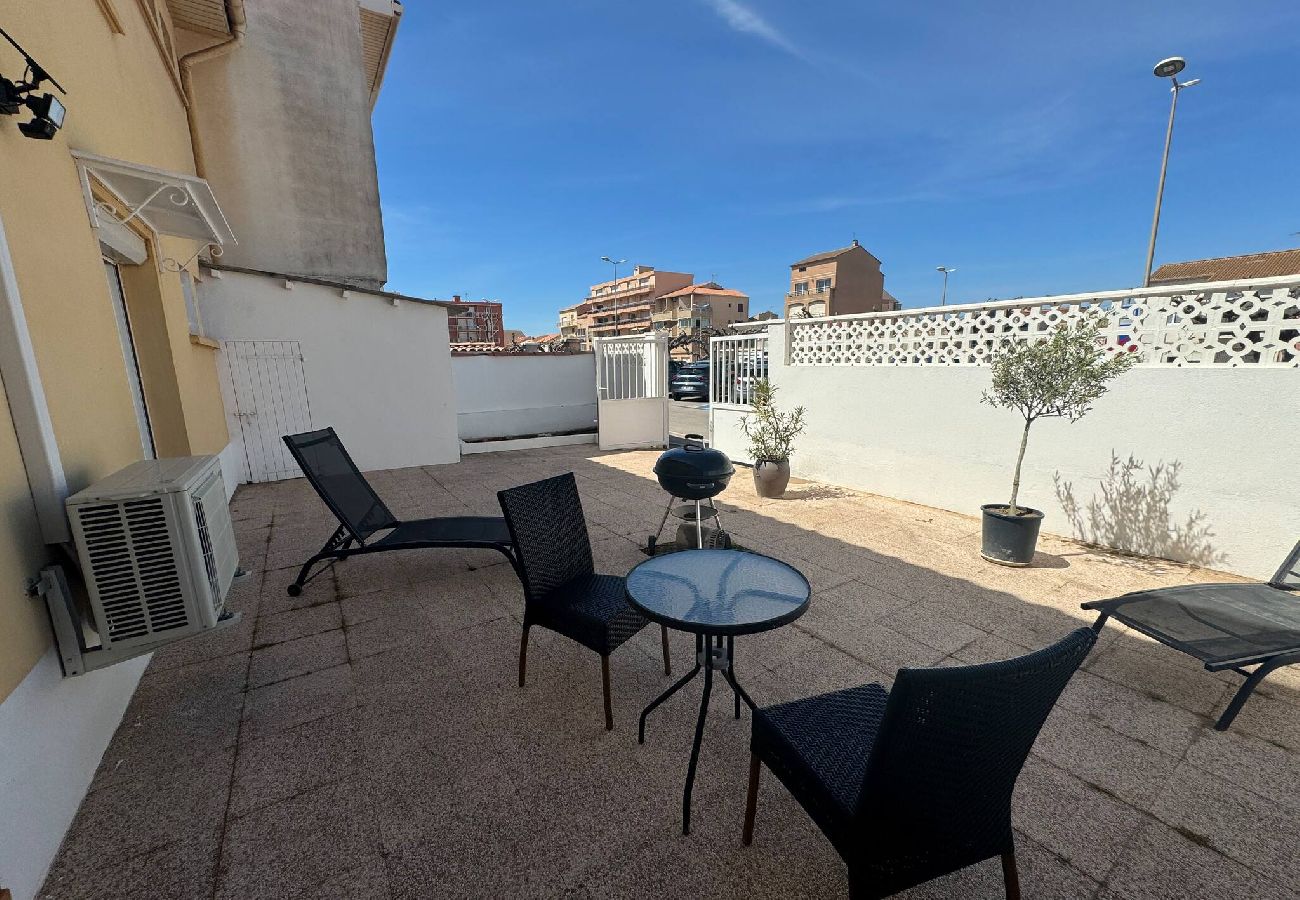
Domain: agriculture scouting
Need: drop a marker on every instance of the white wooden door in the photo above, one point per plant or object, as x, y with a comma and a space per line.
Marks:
632, 391
269, 390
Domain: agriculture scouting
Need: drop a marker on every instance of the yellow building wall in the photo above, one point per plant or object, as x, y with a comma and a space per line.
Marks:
122, 103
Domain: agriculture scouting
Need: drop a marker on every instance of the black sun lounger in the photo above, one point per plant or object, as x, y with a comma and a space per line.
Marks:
1225, 626
362, 514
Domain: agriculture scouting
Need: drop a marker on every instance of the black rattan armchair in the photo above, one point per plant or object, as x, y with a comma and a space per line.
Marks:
562, 591
362, 515
1228, 627
915, 782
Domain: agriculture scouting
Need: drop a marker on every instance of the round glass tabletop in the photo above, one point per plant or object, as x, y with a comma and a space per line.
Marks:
718, 591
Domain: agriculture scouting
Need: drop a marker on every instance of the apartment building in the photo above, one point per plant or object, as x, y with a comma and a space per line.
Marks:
476, 322
620, 307
570, 330
837, 283
696, 309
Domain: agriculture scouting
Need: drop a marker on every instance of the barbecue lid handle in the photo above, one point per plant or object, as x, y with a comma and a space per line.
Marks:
698, 443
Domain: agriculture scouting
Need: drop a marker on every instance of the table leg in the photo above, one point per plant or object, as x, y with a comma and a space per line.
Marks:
731, 671
677, 686
695, 748
710, 653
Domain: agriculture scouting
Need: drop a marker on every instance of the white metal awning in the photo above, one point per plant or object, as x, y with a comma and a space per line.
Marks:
168, 202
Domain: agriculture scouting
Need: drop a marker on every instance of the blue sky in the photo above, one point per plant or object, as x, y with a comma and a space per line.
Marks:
518, 142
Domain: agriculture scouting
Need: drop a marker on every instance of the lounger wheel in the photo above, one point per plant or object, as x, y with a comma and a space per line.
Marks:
294, 589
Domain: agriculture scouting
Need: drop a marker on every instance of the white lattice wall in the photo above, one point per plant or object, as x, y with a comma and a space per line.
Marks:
1225, 324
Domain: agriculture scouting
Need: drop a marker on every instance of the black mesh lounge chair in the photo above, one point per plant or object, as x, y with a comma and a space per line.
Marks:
362, 514
1225, 626
562, 591
915, 782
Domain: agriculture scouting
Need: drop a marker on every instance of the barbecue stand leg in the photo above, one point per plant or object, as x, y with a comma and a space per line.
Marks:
662, 523
677, 686
699, 528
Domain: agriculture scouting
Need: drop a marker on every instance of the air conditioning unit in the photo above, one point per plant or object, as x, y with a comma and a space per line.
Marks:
158, 556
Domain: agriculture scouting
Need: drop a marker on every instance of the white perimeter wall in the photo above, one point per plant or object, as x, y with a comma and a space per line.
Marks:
379, 373
53, 732
1219, 483
509, 395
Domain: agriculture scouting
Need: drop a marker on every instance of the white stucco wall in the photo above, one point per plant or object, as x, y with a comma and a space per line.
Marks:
54, 732
1217, 484
379, 373
502, 396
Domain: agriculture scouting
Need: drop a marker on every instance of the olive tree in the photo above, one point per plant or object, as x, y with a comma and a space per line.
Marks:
771, 433
1059, 376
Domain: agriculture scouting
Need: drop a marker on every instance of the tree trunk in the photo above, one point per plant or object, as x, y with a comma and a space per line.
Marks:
1015, 481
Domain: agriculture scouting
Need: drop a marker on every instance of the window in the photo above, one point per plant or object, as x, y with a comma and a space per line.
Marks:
740, 307
823, 285
645, 282
801, 288
127, 340
191, 304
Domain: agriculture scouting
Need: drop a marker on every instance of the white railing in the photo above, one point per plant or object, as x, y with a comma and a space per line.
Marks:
631, 367
736, 363
1226, 324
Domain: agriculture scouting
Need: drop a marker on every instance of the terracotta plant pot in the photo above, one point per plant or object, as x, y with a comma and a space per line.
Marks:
1010, 540
771, 476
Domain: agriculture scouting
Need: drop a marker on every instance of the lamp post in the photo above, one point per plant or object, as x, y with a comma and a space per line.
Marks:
1166, 68
943, 301
613, 288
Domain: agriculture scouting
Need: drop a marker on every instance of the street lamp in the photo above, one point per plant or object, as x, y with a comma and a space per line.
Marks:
613, 288
1166, 68
946, 272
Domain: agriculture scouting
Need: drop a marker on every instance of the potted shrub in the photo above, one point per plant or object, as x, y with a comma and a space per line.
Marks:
771, 435
1060, 376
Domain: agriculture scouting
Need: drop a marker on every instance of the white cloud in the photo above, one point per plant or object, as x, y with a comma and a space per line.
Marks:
745, 20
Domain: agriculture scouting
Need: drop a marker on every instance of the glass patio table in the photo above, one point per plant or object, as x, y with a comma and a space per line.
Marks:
715, 595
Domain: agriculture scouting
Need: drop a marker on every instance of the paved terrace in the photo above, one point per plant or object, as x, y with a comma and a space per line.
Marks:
367, 739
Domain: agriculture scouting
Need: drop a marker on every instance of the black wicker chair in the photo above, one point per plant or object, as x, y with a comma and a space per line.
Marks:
915, 782
361, 513
1225, 626
562, 591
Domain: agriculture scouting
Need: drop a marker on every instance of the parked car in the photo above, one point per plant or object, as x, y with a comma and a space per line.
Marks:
748, 373
690, 382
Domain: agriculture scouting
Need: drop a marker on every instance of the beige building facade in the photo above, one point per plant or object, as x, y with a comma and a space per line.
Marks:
102, 363
693, 311
620, 307
104, 358
837, 283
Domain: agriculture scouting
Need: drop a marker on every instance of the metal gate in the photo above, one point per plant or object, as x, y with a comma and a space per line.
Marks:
736, 364
632, 391
269, 391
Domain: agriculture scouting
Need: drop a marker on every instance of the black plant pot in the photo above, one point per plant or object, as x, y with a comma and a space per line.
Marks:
1010, 540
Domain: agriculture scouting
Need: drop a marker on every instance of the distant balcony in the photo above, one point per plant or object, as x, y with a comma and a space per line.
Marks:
827, 294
